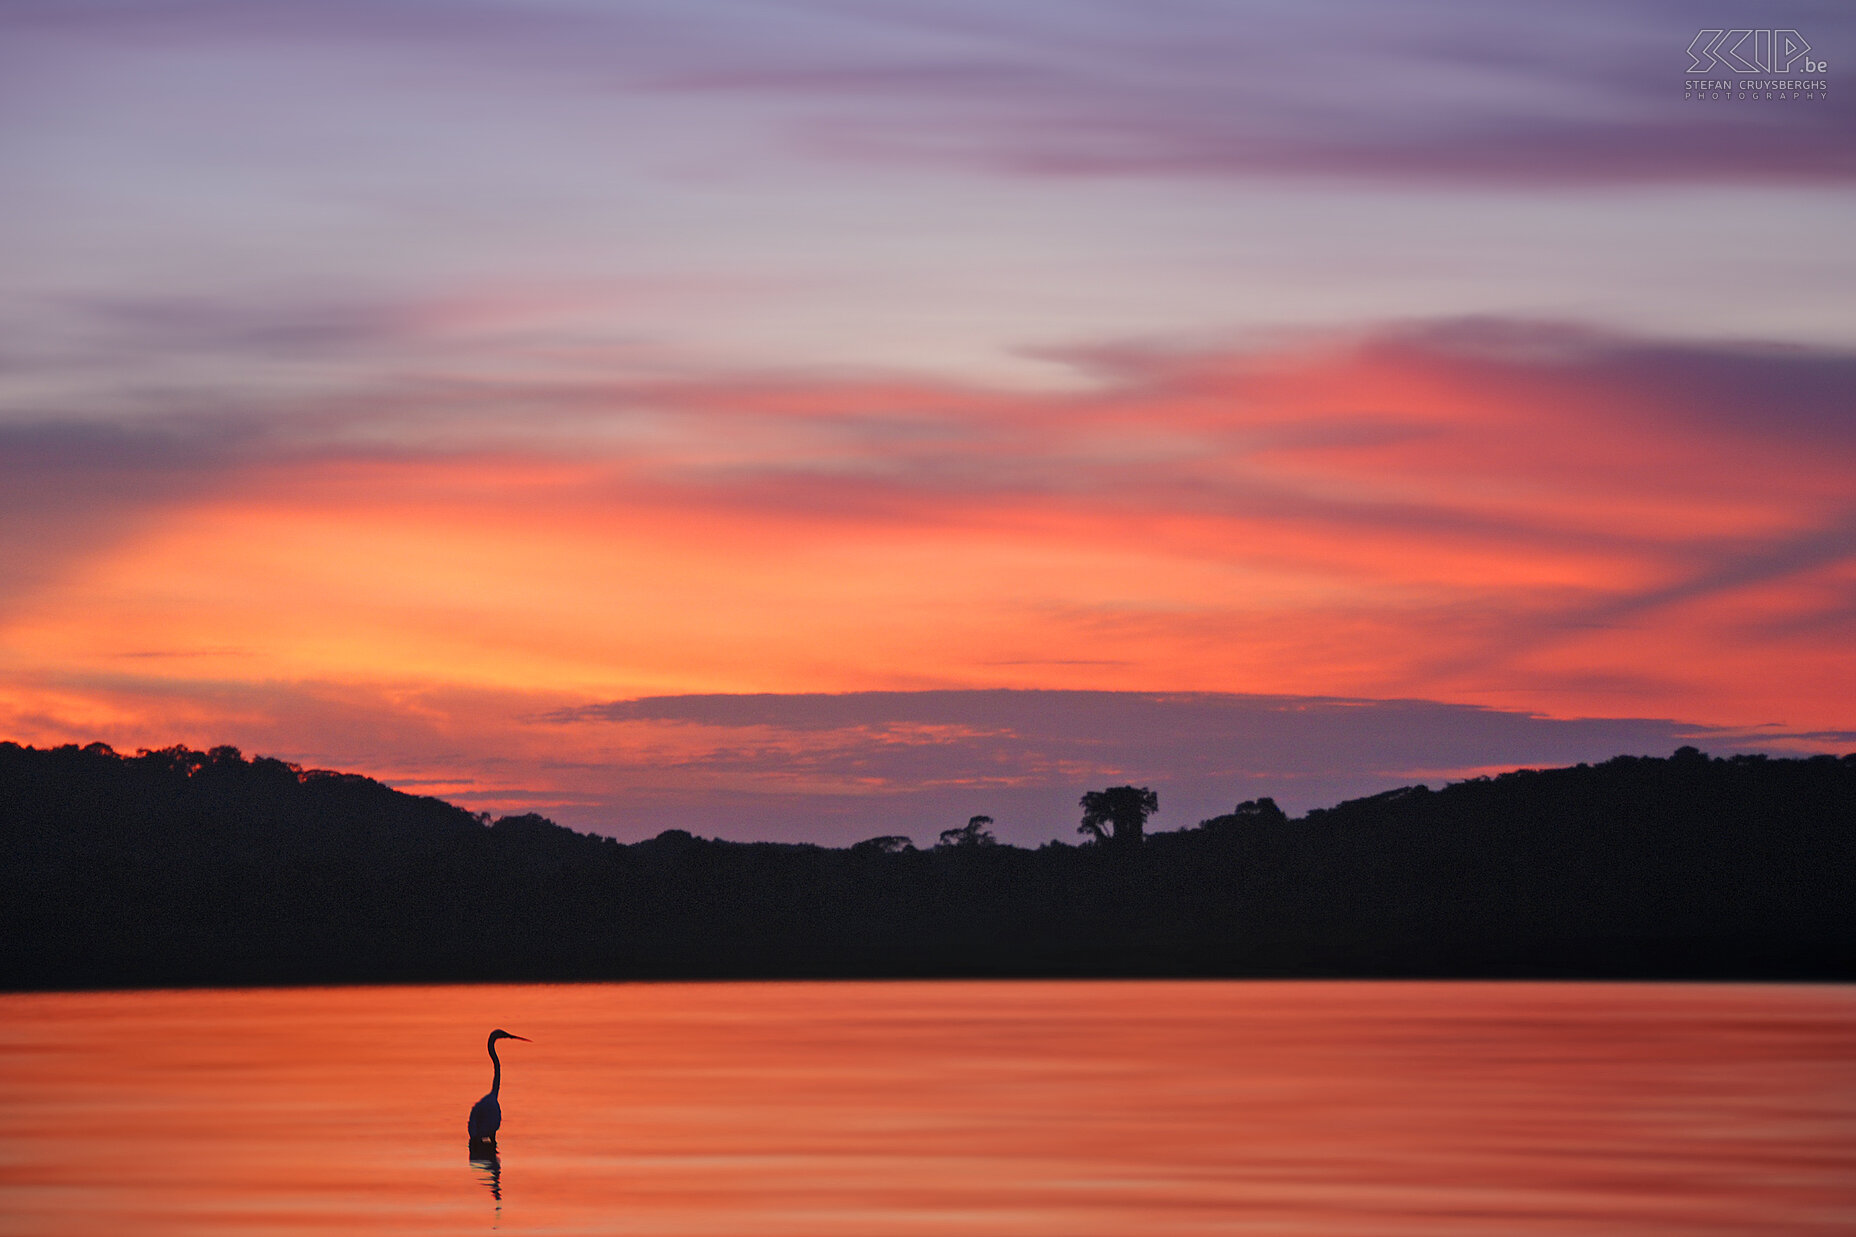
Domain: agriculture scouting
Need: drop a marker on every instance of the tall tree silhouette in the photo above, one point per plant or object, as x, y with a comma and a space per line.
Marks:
973, 833
1118, 814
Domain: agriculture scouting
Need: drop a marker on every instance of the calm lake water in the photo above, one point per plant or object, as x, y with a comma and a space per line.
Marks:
936, 1108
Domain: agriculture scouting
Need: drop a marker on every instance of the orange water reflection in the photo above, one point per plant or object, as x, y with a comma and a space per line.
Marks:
915, 1108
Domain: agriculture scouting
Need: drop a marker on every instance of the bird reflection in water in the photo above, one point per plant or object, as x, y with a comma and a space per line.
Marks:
489, 1169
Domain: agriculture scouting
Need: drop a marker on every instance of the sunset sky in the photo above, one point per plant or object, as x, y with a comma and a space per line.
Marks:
813, 420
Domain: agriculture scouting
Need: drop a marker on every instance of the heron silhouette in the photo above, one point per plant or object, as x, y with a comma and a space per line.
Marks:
486, 1115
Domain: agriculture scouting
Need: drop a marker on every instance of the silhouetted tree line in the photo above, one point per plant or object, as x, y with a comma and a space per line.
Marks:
179, 867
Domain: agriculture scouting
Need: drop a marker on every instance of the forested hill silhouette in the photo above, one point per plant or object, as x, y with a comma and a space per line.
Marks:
178, 867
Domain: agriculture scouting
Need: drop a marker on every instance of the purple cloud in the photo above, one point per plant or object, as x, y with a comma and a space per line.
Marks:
1445, 89
830, 766
1757, 388
1450, 91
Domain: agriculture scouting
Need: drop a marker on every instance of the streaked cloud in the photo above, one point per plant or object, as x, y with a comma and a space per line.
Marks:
1580, 93
1481, 512
212, 201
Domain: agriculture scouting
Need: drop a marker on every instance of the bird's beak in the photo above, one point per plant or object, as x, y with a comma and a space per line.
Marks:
525, 1039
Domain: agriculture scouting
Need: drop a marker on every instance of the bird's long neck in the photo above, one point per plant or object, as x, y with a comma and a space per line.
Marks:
496, 1079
